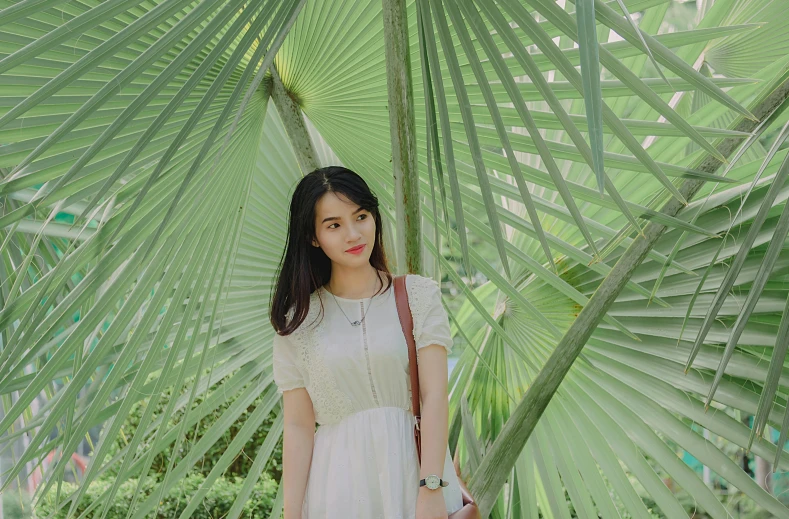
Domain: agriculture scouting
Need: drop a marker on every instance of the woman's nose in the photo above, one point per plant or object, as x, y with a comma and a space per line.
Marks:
353, 234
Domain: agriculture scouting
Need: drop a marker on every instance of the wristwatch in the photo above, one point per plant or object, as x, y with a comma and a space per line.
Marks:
433, 482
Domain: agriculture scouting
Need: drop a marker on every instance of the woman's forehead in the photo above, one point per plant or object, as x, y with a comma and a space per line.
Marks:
332, 201
331, 206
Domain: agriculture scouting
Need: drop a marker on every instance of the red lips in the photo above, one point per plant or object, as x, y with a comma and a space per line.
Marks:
355, 250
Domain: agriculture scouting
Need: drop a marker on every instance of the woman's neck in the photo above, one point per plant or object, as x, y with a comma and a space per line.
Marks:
354, 284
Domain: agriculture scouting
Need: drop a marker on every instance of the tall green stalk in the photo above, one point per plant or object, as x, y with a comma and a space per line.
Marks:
402, 129
293, 121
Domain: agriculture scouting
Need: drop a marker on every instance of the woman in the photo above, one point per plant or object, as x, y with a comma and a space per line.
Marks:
341, 359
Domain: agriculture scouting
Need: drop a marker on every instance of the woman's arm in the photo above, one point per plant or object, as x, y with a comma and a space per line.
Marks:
435, 416
298, 441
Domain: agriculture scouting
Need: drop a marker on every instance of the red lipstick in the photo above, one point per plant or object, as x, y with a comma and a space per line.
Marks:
356, 250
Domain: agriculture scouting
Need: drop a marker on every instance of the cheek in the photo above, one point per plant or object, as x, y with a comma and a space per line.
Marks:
370, 225
330, 240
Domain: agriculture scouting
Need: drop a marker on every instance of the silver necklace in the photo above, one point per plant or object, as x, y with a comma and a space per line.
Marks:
353, 323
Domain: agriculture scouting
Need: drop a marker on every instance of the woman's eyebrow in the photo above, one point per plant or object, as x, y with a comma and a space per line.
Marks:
337, 217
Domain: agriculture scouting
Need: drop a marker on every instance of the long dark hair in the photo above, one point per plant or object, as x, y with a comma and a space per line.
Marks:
304, 268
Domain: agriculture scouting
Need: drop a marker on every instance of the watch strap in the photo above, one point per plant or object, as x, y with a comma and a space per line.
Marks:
441, 482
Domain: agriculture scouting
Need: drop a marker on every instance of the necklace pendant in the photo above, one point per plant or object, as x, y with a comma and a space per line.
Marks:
356, 323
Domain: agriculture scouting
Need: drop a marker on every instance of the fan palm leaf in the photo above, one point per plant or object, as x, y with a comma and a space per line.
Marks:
147, 175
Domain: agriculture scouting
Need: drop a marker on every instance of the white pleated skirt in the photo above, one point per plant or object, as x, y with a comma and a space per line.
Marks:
366, 466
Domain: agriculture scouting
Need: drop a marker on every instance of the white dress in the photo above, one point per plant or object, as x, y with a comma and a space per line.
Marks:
364, 461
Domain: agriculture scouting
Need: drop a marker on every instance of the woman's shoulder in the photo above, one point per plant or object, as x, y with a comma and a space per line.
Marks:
313, 308
423, 292
422, 283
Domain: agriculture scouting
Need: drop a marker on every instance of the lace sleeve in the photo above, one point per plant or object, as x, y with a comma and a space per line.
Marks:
287, 374
431, 324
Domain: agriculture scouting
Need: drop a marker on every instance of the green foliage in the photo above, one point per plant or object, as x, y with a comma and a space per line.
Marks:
222, 492
16, 505
216, 503
128, 119
240, 466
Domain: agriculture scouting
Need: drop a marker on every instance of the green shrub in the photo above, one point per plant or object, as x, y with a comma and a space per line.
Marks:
16, 504
240, 466
216, 503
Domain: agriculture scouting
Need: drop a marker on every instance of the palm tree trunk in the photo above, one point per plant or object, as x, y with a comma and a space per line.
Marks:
293, 121
489, 478
402, 129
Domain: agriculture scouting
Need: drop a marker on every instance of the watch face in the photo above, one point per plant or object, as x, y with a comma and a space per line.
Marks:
432, 482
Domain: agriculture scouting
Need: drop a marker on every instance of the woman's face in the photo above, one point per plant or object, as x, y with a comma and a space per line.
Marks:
340, 225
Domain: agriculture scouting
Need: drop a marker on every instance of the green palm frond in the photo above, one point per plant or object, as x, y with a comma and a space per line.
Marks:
148, 152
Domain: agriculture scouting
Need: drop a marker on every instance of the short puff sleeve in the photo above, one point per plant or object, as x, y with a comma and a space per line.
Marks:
431, 324
287, 374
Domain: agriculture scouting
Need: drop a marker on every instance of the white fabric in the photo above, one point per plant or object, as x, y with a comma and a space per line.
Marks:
364, 462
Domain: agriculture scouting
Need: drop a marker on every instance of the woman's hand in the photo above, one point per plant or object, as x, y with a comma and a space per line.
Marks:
430, 504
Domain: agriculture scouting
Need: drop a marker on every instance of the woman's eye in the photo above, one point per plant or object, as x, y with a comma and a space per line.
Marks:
364, 216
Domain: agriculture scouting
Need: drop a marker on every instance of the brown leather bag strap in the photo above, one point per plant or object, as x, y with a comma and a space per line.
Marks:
407, 323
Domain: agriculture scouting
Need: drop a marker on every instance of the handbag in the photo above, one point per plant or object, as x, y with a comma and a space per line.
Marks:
470, 509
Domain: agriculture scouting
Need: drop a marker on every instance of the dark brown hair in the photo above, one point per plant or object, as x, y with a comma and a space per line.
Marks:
304, 268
